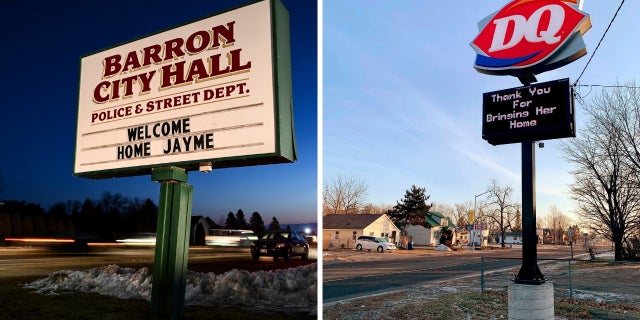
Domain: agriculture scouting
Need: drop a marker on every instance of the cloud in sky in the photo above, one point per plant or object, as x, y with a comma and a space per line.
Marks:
402, 102
386, 121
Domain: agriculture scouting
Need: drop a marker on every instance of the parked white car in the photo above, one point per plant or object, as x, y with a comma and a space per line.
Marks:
374, 243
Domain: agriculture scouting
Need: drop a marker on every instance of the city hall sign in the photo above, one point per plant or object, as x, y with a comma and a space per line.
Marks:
214, 91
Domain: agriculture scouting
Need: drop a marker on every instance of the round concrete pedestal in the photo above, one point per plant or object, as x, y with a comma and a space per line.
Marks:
530, 301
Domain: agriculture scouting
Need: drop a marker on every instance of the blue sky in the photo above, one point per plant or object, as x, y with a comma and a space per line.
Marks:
402, 103
42, 45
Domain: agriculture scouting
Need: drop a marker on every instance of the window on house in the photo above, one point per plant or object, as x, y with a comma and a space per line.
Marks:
355, 235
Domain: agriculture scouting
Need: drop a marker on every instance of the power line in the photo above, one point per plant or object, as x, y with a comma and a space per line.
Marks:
581, 97
599, 42
605, 86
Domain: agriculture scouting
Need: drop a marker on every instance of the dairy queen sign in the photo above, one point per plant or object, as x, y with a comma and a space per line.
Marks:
523, 39
529, 37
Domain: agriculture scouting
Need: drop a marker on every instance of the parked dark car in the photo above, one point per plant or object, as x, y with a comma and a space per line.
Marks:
284, 244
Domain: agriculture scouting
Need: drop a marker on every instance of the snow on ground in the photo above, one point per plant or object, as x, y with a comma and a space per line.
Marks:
294, 288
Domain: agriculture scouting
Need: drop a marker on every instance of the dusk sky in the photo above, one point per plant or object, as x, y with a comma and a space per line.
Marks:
402, 103
43, 43
401, 100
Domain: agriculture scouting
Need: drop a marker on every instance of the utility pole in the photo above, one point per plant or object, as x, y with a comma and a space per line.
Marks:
475, 215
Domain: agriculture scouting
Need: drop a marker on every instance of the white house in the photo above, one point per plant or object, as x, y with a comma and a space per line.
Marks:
479, 237
342, 230
462, 237
509, 237
422, 236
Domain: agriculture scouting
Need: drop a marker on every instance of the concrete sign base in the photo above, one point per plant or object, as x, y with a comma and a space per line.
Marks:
528, 301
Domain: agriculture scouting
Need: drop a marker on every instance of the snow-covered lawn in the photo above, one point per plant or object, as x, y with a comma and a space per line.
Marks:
294, 288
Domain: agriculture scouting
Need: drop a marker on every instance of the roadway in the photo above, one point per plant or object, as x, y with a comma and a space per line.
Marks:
40, 261
348, 280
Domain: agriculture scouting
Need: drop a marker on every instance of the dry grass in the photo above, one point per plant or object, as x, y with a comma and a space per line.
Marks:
464, 303
602, 290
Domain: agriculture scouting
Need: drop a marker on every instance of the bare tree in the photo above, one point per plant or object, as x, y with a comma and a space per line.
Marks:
447, 210
606, 174
516, 226
618, 111
501, 208
576, 234
344, 195
376, 208
557, 222
481, 216
461, 214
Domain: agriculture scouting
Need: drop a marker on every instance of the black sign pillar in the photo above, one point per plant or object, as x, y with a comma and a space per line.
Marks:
529, 272
527, 114
540, 111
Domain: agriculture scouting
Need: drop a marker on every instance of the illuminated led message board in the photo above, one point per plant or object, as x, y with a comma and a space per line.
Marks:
541, 111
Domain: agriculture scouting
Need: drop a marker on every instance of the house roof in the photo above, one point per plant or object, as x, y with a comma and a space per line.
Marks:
437, 214
429, 217
349, 221
210, 223
431, 221
512, 234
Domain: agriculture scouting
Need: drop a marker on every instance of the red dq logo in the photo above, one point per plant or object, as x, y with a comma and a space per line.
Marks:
530, 37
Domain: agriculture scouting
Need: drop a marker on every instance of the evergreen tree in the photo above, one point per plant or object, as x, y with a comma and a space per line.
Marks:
257, 224
39, 226
141, 216
57, 217
231, 222
241, 221
16, 225
86, 219
149, 212
412, 209
27, 226
110, 208
5, 226
73, 207
274, 225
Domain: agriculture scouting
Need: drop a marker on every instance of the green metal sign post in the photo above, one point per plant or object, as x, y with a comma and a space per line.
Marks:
151, 141
172, 243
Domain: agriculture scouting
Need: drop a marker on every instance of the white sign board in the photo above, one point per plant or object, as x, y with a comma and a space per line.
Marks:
202, 92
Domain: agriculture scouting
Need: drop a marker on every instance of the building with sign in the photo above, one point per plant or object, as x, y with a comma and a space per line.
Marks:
438, 225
